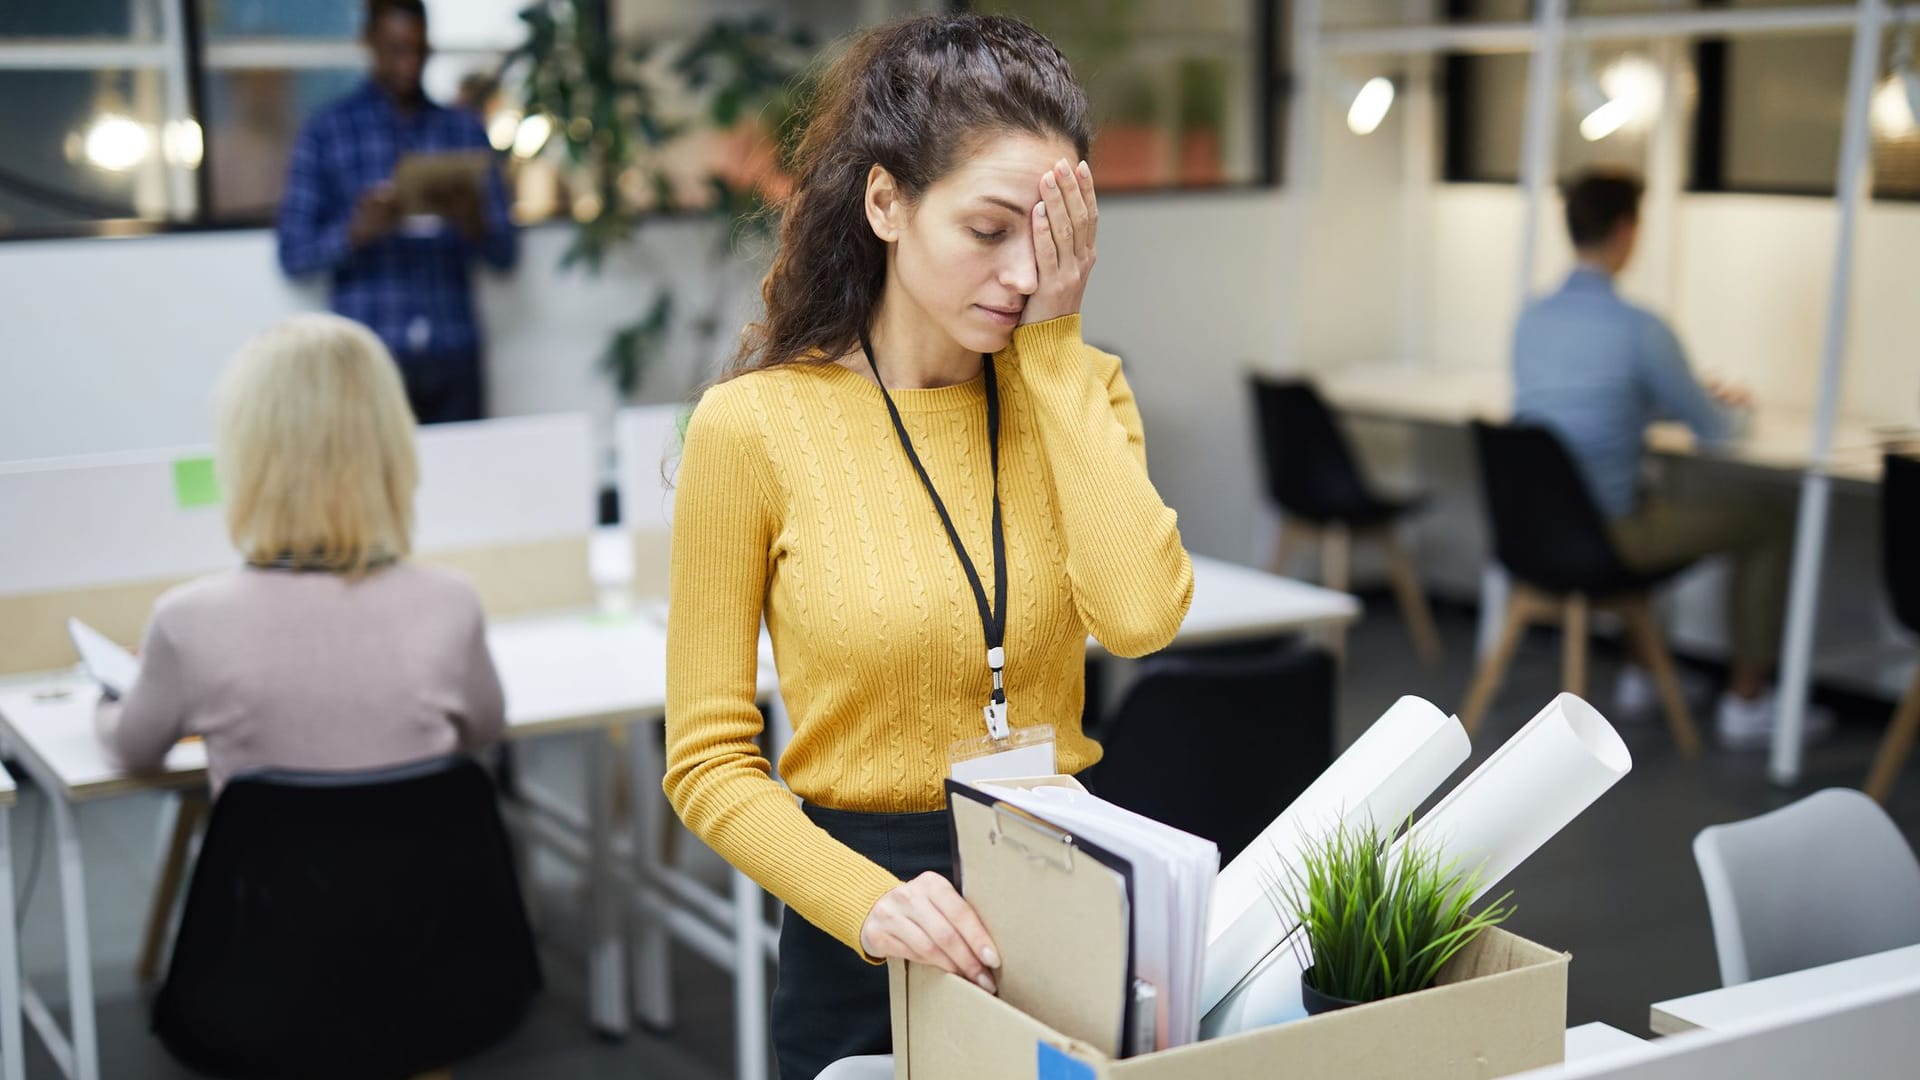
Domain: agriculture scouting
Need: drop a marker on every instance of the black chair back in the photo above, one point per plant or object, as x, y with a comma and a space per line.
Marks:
365, 925
1220, 746
1547, 530
1311, 471
1900, 536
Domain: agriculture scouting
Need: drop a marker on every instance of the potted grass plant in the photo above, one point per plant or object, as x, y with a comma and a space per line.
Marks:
1380, 920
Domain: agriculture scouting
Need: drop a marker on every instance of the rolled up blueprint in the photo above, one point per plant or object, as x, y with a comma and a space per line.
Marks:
1384, 777
1542, 778
1546, 775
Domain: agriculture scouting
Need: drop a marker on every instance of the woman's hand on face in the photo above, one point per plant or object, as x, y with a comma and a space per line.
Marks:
1064, 223
928, 922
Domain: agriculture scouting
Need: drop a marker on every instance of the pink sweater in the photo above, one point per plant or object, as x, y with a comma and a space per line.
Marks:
305, 670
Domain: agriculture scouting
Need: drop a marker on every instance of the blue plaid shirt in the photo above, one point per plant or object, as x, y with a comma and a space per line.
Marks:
414, 291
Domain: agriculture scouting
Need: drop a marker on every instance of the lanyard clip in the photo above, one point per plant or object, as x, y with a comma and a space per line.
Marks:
996, 710
996, 713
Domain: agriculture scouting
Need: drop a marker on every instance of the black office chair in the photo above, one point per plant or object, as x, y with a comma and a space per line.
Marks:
1220, 746
1900, 554
364, 924
1313, 478
1553, 541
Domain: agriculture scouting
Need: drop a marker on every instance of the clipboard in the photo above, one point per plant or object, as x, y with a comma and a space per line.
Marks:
1060, 910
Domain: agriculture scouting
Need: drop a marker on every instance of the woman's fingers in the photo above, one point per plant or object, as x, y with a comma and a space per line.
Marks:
964, 919
951, 950
1093, 206
1077, 213
1059, 218
1046, 255
927, 922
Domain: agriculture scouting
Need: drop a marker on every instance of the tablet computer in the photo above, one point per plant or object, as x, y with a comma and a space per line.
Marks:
113, 667
417, 177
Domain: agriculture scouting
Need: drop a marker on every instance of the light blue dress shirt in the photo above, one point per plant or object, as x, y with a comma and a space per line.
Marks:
1598, 370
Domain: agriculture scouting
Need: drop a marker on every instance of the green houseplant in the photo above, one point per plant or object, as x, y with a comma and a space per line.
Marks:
1379, 920
624, 110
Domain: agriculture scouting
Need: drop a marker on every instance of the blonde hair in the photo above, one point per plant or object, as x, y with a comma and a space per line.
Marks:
316, 454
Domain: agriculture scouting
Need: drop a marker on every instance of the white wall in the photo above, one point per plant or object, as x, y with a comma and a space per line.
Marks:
115, 344
1749, 300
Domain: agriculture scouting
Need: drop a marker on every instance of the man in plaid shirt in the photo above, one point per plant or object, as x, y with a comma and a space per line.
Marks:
408, 280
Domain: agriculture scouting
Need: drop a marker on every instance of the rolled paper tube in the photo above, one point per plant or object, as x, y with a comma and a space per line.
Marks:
1383, 777
1542, 778
1546, 775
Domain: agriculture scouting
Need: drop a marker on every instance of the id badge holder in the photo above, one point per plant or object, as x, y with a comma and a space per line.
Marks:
1021, 752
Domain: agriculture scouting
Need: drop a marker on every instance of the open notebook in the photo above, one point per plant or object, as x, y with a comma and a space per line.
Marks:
113, 667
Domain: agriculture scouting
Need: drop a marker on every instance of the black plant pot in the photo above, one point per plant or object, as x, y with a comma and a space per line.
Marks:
1317, 1002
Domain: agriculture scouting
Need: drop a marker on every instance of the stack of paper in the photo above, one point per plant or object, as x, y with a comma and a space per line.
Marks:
1173, 876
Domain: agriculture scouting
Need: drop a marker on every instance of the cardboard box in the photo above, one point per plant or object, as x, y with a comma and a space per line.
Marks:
1500, 1007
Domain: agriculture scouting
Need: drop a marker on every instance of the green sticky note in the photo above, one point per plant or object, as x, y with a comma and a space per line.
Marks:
194, 483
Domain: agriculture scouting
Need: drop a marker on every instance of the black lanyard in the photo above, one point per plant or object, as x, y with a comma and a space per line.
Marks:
992, 622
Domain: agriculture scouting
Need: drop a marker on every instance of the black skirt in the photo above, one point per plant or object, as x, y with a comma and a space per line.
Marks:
828, 1002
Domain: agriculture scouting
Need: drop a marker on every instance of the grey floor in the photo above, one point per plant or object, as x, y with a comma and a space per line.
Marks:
1617, 889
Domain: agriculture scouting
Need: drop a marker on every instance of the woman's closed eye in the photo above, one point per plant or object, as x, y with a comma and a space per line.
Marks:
988, 237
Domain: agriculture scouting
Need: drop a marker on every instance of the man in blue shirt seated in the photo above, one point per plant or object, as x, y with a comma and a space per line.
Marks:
1598, 370
407, 279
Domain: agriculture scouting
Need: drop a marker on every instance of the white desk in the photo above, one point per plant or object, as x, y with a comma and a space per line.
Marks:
1755, 1001
1777, 440
568, 671
13, 1049
1232, 602
49, 728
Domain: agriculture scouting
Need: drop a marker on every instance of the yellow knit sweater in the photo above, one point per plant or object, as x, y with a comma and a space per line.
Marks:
796, 501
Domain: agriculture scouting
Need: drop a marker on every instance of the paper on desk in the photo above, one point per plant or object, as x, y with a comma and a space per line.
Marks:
1532, 787
1542, 778
1173, 874
1403, 758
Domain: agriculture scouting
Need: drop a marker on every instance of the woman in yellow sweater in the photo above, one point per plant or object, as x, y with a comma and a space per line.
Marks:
930, 488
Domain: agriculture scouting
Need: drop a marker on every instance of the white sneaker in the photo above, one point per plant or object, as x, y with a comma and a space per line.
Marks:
1636, 697
1748, 724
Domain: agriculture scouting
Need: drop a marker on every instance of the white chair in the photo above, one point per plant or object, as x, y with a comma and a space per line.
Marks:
871, 1067
1822, 880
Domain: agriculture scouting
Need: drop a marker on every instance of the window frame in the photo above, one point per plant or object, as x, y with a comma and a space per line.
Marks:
1707, 133
182, 47
1273, 87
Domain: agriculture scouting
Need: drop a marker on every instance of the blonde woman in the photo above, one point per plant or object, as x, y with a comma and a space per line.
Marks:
326, 649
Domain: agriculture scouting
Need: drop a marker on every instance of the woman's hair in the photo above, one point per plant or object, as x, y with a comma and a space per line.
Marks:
915, 97
316, 453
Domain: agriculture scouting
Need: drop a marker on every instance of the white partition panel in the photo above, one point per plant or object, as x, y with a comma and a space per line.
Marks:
648, 437
77, 522
504, 481
96, 520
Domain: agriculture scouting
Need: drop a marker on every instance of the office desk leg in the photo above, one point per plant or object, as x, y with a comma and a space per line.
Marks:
189, 808
606, 947
12, 1049
647, 930
749, 980
73, 898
